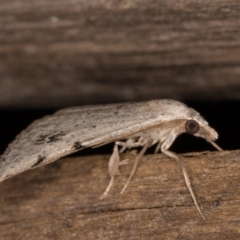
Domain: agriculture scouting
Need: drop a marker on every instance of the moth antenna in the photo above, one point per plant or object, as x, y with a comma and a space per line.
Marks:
216, 146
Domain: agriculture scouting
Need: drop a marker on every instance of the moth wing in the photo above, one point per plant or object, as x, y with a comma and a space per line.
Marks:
72, 129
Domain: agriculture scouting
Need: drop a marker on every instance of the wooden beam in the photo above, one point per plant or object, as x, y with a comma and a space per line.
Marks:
61, 200
64, 53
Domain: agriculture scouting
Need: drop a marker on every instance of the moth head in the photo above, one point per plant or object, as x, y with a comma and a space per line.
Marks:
197, 126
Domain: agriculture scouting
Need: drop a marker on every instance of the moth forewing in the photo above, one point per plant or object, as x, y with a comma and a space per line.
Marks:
129, 125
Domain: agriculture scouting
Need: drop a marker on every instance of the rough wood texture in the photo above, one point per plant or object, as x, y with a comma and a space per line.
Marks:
58, 53
61, 200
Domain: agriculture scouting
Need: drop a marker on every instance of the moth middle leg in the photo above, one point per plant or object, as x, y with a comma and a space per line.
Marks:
114, 161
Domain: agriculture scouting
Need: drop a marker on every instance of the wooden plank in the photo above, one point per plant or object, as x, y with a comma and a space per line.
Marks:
61, 200
61, 53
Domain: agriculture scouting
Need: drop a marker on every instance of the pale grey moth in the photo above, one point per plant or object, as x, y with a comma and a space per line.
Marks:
129, 125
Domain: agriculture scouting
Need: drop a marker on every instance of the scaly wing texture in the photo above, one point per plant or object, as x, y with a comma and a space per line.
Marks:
72, 129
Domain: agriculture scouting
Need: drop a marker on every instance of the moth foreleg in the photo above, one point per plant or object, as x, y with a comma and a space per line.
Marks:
186, 177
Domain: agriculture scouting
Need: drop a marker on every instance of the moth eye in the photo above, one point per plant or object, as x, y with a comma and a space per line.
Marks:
191, 126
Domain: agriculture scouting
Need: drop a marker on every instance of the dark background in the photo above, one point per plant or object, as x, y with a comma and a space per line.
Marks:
66, 53
224, 117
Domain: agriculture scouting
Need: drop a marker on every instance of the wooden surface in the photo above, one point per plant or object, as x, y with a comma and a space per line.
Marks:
61, 200
62, 53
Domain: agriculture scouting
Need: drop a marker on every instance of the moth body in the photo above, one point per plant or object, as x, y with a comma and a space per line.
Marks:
129, 125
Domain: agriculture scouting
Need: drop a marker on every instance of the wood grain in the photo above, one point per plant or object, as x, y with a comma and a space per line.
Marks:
61, 200
62, 53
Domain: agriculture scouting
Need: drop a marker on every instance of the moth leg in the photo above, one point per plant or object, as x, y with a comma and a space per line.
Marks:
158, 147
146, 145
130, 143
186, 177
126, 144
114, 162
113, 165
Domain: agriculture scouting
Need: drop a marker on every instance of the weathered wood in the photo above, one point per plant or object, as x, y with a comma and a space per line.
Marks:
58, 53
61, 200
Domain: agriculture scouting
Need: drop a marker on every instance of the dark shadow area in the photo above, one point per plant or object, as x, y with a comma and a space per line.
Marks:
224, 117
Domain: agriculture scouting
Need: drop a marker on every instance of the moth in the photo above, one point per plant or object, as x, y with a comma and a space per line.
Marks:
129, 125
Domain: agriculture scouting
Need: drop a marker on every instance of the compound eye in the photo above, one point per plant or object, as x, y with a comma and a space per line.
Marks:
191, 126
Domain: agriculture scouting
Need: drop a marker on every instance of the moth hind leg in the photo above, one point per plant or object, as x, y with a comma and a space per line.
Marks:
114, 161
127, 145
112, 179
